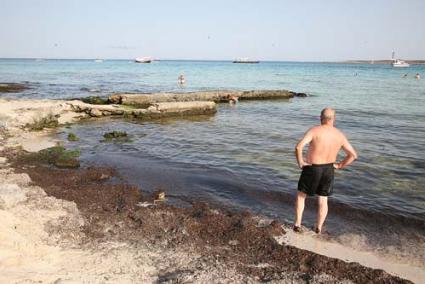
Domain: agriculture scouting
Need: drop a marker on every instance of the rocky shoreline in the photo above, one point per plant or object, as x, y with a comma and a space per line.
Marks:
89, 225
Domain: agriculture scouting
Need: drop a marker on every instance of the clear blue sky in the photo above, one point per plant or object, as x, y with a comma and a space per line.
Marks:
302, 30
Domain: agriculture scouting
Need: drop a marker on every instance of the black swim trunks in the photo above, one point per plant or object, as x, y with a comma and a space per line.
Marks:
317, 179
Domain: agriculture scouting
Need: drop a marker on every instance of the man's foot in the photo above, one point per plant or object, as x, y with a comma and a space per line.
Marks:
297, 229
317, 231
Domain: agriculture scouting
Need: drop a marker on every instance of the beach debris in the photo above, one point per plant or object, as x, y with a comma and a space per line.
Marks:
73, 137
145, 204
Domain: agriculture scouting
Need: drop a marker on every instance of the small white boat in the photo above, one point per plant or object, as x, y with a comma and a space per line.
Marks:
245, 60
143, 60
400, 63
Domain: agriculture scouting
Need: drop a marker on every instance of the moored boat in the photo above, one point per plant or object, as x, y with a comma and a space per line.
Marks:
400, 63
245, 60
143, 60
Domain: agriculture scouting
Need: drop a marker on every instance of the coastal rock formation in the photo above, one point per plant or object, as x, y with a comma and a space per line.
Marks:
145, 100
155, 110
12, 87
94, 112
40, 114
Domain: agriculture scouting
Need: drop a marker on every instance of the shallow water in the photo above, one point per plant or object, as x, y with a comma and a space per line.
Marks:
243, 156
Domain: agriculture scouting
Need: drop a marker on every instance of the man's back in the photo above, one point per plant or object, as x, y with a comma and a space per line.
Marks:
326, 141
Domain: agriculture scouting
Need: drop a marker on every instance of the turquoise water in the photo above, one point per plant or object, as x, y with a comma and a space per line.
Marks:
243, 156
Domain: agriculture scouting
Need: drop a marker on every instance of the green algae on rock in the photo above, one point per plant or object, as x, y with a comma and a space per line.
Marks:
57, 156
73, 137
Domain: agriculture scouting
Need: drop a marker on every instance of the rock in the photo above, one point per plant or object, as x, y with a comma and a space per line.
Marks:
56, 156
300, 95
146, 100
192, 108
115, 134
72, 137
12, 87
93, 100
94, 112
114, 99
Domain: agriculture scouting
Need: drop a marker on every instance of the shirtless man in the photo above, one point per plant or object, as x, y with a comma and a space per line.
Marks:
317, 175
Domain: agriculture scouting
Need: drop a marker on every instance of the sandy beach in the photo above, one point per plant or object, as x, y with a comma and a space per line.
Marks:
89, 225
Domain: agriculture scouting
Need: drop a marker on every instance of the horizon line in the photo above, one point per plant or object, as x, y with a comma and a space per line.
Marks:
218, 60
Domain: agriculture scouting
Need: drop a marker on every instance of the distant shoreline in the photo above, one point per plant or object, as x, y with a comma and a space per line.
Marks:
383, 61
380, 61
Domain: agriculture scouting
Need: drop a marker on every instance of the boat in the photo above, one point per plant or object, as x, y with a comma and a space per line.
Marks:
98, 60
245, 60
143, 60
399, 62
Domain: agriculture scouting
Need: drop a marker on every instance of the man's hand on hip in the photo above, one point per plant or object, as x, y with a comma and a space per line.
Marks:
303, 164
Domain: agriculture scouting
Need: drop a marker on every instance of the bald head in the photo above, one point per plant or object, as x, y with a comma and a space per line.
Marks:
327, 116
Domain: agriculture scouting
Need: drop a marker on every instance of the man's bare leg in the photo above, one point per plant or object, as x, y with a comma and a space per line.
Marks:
322, 211
299, 208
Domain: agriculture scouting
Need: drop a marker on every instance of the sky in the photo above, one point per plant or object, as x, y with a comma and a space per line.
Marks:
298, 30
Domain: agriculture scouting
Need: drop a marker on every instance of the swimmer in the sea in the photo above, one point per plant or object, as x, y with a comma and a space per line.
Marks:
181, 79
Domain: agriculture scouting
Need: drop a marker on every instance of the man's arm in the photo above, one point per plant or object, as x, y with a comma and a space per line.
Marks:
349, 158
308, 136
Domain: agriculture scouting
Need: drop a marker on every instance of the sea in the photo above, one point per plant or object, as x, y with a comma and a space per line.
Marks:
242, 158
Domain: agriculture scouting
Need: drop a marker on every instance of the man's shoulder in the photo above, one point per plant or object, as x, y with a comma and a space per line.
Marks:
339, 133
315, 128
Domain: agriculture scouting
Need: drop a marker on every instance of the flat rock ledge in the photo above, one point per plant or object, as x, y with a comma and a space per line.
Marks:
146, 99
154, 110
45, 113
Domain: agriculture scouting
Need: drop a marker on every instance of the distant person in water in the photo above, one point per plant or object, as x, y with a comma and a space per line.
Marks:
417, 76
317, 177
233, 99
181, 80
405, 75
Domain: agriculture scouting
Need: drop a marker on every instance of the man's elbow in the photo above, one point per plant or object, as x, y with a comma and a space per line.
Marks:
298, 147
